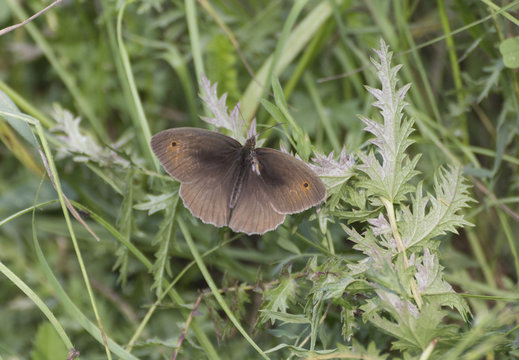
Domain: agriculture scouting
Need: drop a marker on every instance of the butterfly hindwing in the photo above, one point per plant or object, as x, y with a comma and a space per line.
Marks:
208, 198
253, 213
292, 186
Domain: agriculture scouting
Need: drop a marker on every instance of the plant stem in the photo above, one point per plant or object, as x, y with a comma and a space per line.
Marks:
400, 246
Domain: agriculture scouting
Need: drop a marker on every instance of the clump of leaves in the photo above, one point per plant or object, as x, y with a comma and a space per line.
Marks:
398, 285
73, 141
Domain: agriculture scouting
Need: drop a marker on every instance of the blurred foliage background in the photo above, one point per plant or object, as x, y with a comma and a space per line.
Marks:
464, 99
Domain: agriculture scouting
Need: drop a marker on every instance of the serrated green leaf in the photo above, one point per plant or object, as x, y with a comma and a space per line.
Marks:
495, 70
349, 323
162, 266
371, 350
452, 195
277, 299
156, 203
388, 177
125, 227
329, 286
414, 328
429, 277
366, 242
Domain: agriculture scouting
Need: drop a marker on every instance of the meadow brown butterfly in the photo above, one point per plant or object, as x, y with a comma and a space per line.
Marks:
225, 183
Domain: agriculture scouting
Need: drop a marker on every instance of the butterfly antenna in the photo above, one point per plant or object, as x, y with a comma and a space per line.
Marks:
258, 134
270, 127
243, 123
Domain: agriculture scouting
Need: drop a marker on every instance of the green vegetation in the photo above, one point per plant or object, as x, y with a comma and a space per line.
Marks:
413, 255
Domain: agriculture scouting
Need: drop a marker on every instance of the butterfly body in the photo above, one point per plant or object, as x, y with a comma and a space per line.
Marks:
228, 184
247, 161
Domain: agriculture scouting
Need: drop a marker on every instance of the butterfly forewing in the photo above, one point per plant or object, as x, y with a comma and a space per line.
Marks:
188, 153
292, 186
206, 164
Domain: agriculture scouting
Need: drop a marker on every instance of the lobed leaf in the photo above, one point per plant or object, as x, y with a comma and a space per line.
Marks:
419, 225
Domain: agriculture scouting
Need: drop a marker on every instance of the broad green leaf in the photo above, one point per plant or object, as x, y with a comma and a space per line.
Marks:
509, 49
47, 344
8, 106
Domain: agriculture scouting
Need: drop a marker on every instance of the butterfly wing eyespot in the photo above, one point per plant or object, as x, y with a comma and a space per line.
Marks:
173, 144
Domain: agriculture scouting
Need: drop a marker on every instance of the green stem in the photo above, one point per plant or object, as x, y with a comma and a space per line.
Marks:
194, 37
400, 246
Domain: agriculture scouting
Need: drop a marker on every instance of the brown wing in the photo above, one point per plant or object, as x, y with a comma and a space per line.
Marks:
188, 153
253, 213
208, 197
206, 163
290, 184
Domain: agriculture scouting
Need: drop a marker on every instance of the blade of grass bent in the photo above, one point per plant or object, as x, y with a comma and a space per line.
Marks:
26, 210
